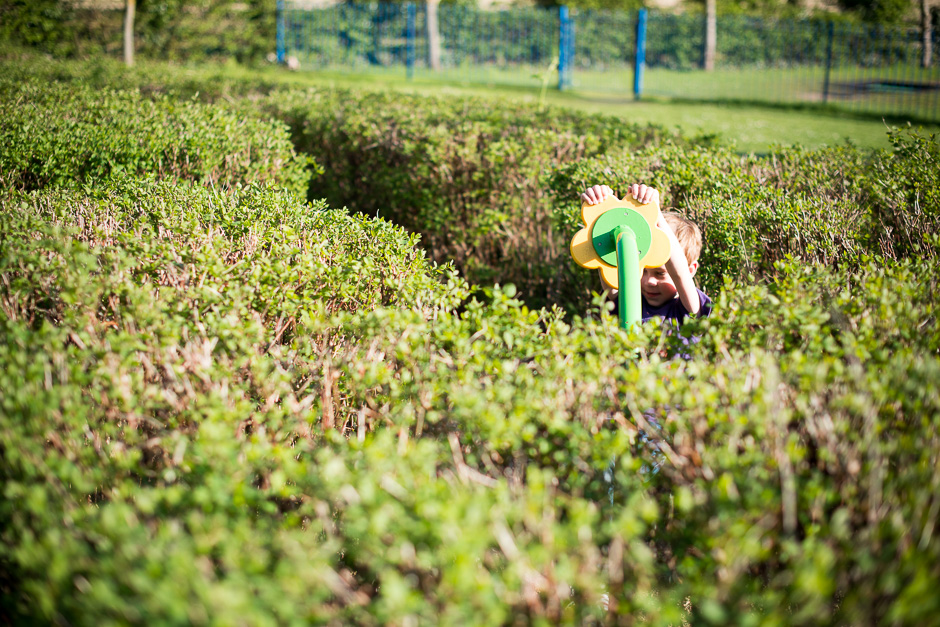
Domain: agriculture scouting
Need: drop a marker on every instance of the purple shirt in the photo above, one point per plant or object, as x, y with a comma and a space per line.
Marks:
674, 312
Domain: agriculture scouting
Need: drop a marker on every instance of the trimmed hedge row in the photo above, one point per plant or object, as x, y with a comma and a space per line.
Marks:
468, 175
227, 405
65, 134
161, 309
212, 415
495, 189
832, 206
471, 179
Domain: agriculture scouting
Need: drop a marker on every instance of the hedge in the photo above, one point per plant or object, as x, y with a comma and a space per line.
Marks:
830, 206
66, 134
197, 30
211, 415
495, 188
359, 33
226, 404
469, 177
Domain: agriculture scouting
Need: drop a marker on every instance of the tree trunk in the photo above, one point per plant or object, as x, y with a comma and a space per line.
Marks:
926, 29
129, 32
711, 35
434, 37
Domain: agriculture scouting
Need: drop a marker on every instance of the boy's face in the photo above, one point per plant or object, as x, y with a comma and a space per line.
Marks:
658, 287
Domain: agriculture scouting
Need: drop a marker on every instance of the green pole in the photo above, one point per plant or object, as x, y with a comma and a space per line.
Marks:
628, 276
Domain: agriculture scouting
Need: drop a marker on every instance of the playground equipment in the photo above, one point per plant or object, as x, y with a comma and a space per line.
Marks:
620, 237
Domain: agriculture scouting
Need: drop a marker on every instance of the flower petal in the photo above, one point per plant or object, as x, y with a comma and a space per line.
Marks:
650, 212
609, 277
590, 213
582, 249
659, 251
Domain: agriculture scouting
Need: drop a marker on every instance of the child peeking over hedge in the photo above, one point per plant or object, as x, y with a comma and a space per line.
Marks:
669, 291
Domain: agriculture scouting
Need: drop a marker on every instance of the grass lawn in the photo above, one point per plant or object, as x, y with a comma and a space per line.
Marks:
749, 125
752, 127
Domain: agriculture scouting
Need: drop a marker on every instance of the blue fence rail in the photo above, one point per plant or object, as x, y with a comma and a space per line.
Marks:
861, 68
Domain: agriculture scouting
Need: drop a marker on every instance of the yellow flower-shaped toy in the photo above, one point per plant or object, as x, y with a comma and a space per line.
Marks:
594, 246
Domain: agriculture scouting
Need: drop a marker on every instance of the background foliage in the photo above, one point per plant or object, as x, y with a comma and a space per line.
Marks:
223, 402
242, 31
70, 135
245, 31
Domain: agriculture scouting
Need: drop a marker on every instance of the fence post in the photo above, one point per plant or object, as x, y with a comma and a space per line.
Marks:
563, 60
639, 61
410, 50
828, 62
281, 39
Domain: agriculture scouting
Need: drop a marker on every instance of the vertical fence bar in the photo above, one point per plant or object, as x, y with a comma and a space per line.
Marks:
639, 60
562, 46
569, 69
831, 34
306, 36
898, 55
410, 46
281, 53
311, 38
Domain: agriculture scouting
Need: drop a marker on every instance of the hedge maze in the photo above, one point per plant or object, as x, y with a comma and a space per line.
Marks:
276, 356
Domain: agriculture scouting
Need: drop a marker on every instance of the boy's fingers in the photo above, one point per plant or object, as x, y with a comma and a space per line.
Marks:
595, 194
643, 193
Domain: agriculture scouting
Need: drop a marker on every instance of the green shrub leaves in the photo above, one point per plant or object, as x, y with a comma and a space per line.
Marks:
222, 403
69, 135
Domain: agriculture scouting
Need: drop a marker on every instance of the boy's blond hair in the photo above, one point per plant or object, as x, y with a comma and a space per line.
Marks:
687, 232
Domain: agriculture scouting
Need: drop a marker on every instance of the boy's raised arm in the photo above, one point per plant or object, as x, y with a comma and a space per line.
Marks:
678, 268
677, 265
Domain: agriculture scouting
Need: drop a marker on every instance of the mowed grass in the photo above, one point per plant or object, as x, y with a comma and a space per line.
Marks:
748, 123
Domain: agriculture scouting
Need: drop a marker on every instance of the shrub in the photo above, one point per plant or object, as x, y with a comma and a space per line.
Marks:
49, 25
469, 177
831, 206
170, 454
495, 189
170, 30
222, 404
69, 135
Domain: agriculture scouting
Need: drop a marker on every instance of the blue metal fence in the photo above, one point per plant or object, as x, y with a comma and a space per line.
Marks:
855, 67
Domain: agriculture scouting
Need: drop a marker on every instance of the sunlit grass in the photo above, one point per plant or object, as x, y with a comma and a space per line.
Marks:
747, 123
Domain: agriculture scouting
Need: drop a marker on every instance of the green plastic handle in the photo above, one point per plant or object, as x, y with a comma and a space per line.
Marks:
628, 276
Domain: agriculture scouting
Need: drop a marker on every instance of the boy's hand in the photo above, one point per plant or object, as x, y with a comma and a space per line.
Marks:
644, 194
596, 194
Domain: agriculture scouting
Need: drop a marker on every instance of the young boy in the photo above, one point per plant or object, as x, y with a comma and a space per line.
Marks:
669, 291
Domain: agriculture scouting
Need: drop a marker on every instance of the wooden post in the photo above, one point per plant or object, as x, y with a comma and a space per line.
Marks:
434, 37
130, 6
926, 31
711, 35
